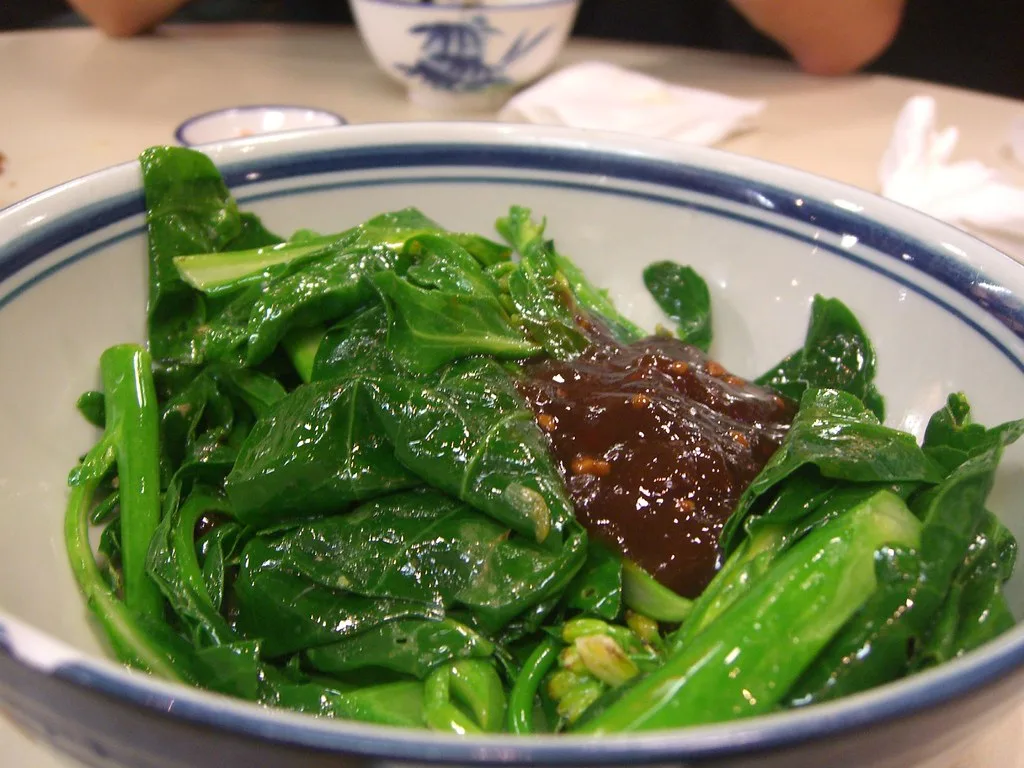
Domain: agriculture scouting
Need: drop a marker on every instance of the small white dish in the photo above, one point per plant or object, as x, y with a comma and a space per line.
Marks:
254, 120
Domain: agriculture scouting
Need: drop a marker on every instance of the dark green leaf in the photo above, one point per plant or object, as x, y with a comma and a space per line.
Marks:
878, 643
289, 612
252, 235
355, 347
792, 500
106, 507
409, 222
428, 549
91, 405
430, 328
188, 210
541, 294
834, 432
522, 232
257, 390
526, 624
443, 264
545, 304
314, 293
202, 426
446, 308
222, 335
952, 437
470, 433
234, 669
316, 451
597, 588
238, 670
683, 295
173, 564
395, 704
836, 354
412, 647
974, 610
218, 550
487, 252
403, 220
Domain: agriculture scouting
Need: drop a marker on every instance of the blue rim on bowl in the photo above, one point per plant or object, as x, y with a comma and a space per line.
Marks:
834, 208
231, 116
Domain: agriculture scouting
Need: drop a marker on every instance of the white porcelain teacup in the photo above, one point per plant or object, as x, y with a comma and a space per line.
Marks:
464, 54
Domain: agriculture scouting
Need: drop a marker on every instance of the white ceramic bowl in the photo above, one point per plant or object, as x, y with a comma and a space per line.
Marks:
252, 120
945, 311
465, 55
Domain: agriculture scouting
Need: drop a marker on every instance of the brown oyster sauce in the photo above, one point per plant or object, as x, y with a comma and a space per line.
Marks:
656, 443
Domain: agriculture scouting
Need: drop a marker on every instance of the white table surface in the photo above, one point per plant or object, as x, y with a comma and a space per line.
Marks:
73, 102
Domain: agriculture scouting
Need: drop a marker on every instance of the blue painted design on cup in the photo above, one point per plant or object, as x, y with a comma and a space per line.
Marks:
452, 55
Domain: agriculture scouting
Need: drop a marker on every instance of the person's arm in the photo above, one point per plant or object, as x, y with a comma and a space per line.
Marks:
827, 37
122, 18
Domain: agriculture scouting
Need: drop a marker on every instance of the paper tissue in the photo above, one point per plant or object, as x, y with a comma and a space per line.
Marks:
916, 170
601, 96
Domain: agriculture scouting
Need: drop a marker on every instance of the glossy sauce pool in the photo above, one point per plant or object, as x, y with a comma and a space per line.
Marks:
656, 443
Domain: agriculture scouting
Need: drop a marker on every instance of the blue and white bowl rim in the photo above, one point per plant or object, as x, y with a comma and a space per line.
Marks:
834, 207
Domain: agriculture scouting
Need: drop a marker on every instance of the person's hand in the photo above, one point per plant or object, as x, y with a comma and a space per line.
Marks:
827, 37
122, 18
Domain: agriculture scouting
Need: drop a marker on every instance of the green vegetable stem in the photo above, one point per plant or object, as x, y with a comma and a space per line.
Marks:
743, 663
642, 593
522, 699
914, 618
130, 443
472, 683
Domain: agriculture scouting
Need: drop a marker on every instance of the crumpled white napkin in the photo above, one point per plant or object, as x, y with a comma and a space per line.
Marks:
916, 171
602, 96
